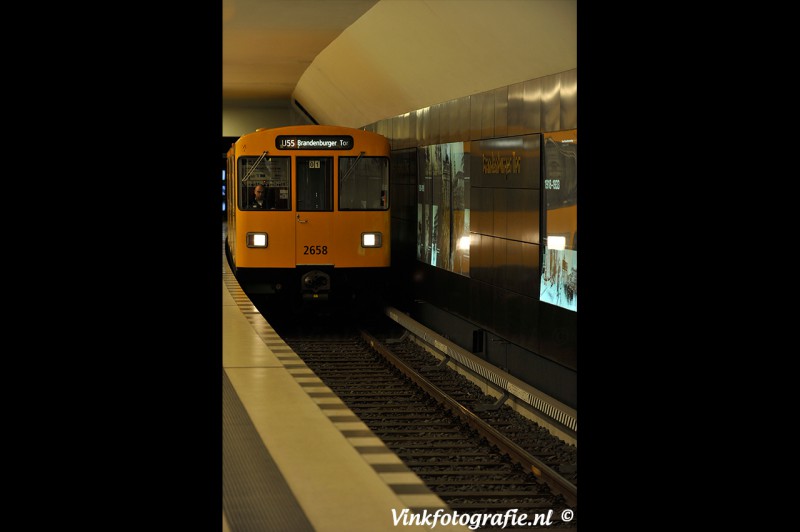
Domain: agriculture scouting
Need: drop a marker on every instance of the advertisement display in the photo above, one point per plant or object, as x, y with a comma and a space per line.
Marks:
559, 278
443, 207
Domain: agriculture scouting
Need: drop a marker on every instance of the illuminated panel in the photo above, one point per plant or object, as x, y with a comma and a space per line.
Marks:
371, 240
314, 142
257, 240
559, 274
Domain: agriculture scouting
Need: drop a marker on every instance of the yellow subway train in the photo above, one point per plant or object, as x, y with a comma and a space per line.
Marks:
308, 212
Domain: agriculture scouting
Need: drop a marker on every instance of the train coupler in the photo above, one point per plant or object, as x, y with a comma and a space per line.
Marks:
315, 286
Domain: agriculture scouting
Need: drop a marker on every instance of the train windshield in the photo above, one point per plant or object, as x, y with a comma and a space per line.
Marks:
363, 183
264, 182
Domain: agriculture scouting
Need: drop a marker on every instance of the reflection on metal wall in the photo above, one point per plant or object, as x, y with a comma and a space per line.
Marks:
534, 106
506, 195
501, 127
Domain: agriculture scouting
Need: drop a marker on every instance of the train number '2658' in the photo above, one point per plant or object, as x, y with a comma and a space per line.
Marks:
315, 250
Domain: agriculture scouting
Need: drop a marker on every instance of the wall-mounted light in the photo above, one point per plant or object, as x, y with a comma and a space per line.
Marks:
556, 242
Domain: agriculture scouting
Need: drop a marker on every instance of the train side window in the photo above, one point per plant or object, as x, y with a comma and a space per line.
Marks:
363, 183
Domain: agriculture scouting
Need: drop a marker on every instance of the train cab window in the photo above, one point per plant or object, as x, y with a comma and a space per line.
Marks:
363, 183
264, 183
314, 183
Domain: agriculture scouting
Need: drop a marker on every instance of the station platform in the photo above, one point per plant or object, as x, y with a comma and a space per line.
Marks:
295, 458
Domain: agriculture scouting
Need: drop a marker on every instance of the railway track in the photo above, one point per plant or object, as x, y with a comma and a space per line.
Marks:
479, 461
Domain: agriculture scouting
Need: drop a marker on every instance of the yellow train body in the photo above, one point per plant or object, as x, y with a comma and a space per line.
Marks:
325, 192
324, 240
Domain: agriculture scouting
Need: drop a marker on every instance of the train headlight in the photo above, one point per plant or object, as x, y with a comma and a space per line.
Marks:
371, 240
257, 240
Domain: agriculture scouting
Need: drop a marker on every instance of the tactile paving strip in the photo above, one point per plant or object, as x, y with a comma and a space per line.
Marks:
255, 495
400, 479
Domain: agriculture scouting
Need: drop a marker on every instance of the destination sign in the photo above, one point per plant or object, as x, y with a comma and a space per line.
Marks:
314, 142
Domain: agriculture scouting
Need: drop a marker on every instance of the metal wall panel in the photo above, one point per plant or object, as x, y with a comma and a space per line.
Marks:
476, 257
439, 291
424, 283
522, 218
404, 167
512, 268
569, 100
447, 121
434, 125
531, 230
531, 163
481, 209
480, 302
403, 204
551, 103
500, 212
481, 256
462, 130
532, 106
456, 292
501, 112
475, 106
458, 331
384, 128
528, 333
531, 267
497, 269
516, 111
399, 139
419, 139
558, 336
520, 270
489, 243
501, 309
544, 375
478, 179
514, 162
512, 320
487, 115
414, 128
404, 239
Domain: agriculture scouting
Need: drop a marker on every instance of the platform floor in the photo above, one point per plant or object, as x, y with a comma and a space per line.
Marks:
295, 457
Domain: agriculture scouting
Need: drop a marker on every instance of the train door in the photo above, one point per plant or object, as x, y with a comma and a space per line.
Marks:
315, 219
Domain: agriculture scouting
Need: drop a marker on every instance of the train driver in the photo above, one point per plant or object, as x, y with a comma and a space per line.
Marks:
260, 200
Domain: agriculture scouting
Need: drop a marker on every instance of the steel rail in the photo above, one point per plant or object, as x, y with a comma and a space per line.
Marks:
541, 470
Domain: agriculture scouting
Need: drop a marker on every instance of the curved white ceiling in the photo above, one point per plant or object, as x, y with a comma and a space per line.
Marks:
357, 62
